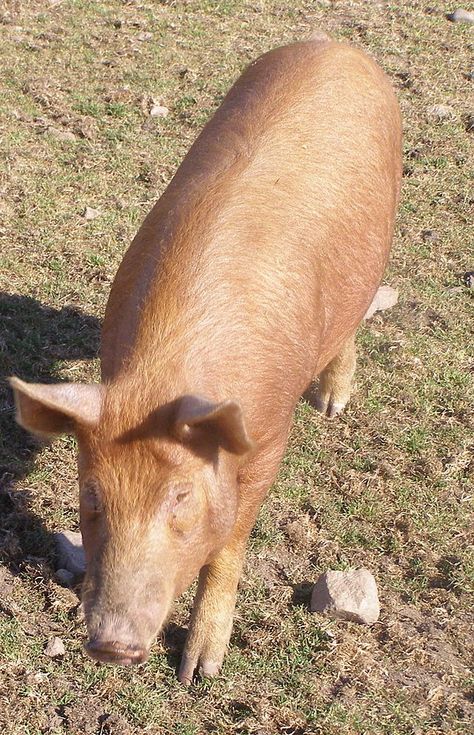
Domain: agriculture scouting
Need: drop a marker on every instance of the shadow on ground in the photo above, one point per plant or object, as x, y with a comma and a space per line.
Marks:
34, 340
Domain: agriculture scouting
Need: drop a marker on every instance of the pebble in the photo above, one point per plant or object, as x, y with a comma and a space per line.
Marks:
63, 135
385, 298
70, 553
65, 577
429, 235
159, 111
440, 112
145, 36
90, 214
350, 595
54, 647
461, 16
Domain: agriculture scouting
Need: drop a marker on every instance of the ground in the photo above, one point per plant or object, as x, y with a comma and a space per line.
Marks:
387, 486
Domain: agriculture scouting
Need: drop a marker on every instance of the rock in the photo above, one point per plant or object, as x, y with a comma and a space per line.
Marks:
90, 214
319, 36
159, 111
348, 595
65, 577
70, 554
429, 235
144, 36
55, 647
440, 112
468, 279
461, 16
385, 298
63, 135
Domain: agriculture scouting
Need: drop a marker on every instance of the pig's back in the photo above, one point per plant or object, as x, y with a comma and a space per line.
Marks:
270, 241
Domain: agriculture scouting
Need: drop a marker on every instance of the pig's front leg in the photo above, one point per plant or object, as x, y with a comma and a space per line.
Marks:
211, 619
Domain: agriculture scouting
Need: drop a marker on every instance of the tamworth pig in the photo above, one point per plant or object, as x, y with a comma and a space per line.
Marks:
247, 280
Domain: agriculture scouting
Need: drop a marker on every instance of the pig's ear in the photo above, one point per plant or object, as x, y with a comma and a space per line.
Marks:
224, 419
56, 409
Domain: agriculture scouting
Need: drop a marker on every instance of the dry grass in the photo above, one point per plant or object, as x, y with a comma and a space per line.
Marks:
388, 486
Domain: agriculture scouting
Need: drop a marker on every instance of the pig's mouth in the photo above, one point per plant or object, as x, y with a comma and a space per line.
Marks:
113, 652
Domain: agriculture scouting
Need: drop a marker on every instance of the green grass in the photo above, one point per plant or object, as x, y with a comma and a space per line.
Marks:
387, 486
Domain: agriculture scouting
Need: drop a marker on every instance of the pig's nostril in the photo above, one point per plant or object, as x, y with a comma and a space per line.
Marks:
115, 652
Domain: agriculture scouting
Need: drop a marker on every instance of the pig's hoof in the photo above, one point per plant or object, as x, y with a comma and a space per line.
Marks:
192, 667
328, 406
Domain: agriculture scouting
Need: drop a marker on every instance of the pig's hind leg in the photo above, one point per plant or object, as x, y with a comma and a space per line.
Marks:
335, 382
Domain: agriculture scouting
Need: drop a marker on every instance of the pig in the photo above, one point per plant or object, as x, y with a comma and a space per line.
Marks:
245, 282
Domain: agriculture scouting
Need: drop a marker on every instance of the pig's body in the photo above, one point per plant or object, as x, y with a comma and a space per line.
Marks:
265, 251
248, 278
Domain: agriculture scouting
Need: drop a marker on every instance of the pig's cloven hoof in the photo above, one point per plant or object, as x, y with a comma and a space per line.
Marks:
193, 665
327, 406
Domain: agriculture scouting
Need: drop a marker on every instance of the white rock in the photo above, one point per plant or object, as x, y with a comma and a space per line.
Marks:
350, 595
60, 134
55, 647
90, 213
461, 16
70, 553
145, 36
159, 111
440, 112
385, 298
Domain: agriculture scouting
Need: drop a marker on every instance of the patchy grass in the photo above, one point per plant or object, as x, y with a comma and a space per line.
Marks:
388, 485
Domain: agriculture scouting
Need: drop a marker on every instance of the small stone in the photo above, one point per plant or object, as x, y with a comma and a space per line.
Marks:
385, 298
429, 235
440, 112
144, 36
36, 678
65, 577
70, 553
63, 135
461, 16
159, 111
55, 647
468, 279
348, 595
90, 214
470, 123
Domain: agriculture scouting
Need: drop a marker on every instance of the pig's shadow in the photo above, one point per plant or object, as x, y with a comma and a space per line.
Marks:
34, 339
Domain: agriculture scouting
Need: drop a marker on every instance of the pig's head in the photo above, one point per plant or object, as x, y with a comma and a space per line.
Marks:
157, 501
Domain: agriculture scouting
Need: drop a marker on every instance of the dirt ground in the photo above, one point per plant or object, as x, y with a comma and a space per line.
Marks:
388, 486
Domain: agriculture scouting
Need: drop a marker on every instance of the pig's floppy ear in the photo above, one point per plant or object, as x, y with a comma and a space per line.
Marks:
56, 409
225, 419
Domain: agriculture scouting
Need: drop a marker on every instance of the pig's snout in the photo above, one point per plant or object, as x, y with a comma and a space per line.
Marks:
115, 639
115, 652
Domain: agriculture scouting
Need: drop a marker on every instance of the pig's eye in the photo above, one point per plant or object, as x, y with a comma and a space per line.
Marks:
180, 495
182, 510
90, 497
